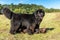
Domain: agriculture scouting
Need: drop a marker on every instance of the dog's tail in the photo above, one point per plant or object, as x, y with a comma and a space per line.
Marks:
7, 12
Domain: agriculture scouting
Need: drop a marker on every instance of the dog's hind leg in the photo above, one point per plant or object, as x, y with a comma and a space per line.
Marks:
14, 26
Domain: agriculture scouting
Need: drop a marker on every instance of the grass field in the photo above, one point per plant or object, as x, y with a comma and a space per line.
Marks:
51, 20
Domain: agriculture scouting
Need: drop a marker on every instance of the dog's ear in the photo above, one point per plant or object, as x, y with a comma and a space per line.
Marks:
39, 13
7, 12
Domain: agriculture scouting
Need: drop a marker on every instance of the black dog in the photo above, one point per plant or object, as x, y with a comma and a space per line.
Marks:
20, 21
39, 14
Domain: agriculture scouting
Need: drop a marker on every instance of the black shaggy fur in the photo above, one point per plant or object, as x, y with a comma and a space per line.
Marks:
19, 22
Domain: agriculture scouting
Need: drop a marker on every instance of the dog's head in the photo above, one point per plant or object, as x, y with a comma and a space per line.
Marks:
39, 14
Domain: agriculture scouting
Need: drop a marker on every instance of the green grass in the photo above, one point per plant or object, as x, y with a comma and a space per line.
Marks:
51, 20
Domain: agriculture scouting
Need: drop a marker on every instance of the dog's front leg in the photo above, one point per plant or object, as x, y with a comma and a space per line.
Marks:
37, 29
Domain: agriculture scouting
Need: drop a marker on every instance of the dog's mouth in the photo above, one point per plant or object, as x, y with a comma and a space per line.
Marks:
41, 17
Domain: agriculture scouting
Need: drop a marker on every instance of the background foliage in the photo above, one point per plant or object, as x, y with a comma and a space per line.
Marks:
27, 8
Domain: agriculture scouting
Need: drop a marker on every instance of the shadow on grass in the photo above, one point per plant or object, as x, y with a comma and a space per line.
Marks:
41, 30
45, 30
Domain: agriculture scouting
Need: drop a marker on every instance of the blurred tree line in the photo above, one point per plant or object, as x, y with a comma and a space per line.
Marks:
27, 8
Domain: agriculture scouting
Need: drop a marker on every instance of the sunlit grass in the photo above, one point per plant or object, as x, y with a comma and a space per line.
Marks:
51, 20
